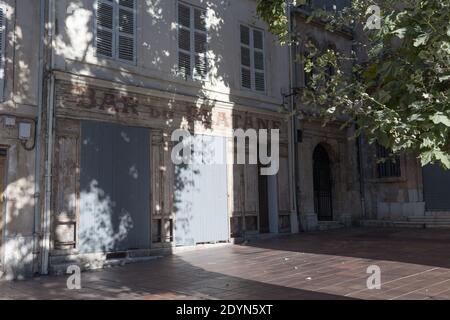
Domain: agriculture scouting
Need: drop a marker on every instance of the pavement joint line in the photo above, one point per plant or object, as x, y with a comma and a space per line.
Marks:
401, 287
349, 280
444, 291
401, 278
308, 271
435, 284
342, 282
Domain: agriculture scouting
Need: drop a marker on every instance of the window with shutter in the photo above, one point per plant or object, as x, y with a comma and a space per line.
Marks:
252, 59
2, 51
116, 29
192, 42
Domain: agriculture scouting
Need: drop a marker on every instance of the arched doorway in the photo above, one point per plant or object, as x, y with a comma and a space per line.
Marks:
322, 185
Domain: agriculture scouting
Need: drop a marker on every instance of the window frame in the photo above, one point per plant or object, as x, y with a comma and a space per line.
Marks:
389, 163
194, 76
116, 33
253, 70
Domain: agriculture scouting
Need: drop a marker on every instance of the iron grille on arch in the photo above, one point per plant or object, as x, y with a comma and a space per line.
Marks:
389, 167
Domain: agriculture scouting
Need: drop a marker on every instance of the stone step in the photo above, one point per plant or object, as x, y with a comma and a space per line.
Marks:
429, 220
438, 226
403, 224
376, 223
61, 268
408, 224
329, 225
441, 214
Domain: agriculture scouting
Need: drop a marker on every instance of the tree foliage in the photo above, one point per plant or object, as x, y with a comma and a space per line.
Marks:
398, 89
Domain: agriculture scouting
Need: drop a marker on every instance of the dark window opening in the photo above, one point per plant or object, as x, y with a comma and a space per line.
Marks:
388, 165
157, 231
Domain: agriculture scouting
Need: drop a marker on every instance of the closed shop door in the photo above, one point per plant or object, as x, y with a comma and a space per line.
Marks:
436, 184
201, 196
114, 188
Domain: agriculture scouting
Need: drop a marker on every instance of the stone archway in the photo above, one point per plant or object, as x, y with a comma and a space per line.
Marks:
323, 190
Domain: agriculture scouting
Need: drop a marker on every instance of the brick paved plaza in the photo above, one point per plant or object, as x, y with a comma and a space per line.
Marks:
415, 264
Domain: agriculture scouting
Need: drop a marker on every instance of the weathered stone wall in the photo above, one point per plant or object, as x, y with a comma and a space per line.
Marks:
395, 198
19, 105
342, 151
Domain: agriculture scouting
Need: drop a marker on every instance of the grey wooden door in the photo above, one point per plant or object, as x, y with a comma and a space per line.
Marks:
114, 188
201, 196
436, 184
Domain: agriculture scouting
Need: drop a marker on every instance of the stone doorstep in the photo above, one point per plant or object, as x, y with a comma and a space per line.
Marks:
61, 268
60, 263
437, 214
430, 220
94, 261
329, 225
390, 224
404, 224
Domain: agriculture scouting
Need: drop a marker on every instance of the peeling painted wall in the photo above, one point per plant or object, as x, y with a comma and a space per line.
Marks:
19, 105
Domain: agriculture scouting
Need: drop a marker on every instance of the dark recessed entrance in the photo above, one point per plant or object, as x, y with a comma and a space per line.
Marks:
436, 182
322, 184
2, 189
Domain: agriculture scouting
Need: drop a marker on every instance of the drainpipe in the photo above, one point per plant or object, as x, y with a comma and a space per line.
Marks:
37, 163
362, 191
45, 244
293, 125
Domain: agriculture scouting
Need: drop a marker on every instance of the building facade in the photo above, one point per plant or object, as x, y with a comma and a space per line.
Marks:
328, 188
126, 75
87, 124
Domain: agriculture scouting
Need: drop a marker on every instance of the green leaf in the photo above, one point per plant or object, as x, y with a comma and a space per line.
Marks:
400, 32
426, 157
421, 40
443, 158
439, 117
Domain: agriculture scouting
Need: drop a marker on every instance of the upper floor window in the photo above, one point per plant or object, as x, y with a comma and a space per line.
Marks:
328, 4
116, 29
2, 50
390, 165
192, 42
253, 75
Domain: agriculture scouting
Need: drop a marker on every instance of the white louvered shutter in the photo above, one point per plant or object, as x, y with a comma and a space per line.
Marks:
105, 41
2, 52
258, 58
127, 30
192, 42
200, 40
246, 78
184, 40
116, 29
252, 59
